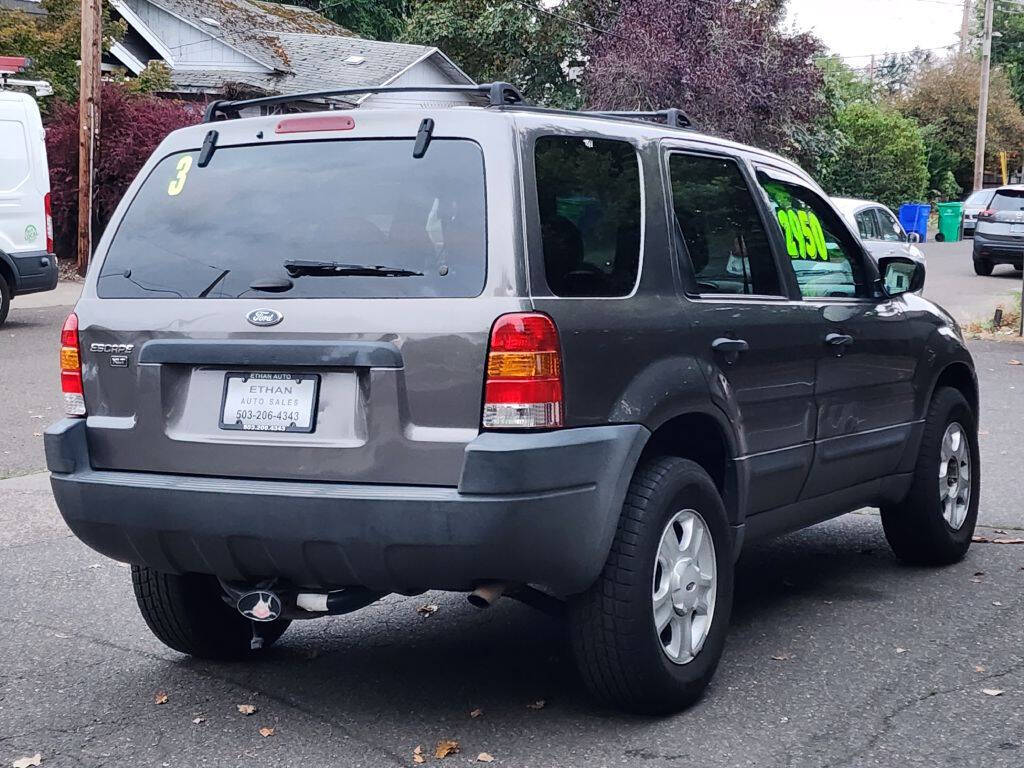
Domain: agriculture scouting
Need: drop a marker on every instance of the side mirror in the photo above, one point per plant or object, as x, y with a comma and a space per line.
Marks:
913, 237
901, 275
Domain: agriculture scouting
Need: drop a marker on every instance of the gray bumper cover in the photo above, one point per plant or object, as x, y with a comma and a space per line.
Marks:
533, 508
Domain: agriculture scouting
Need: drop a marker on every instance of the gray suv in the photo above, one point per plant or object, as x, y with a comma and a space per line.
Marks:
999, 233
581, 360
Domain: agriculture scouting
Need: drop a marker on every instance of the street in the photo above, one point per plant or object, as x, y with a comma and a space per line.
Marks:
838, 655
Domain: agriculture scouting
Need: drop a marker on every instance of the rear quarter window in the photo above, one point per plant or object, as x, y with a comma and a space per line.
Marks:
212, 232
588, 194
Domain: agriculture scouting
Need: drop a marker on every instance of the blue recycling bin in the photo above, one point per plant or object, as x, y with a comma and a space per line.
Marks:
914, 218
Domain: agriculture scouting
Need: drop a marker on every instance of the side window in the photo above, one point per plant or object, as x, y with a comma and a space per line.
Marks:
892, 231
588, 192
867, 225
717, 218
824, 255
13, 155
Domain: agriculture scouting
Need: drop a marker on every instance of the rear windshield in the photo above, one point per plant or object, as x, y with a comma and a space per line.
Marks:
1008, 200
335, 206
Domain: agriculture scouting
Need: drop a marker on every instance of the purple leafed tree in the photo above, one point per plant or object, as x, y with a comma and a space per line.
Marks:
728, 64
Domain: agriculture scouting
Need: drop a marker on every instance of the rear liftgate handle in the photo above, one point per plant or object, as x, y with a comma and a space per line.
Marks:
730, 348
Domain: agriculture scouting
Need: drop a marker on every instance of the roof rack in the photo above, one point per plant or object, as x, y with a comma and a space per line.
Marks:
673, 117
498, 95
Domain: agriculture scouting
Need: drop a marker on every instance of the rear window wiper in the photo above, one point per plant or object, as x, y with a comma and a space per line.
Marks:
328, 268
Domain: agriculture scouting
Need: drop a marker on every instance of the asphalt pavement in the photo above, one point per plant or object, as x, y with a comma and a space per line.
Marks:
838, 655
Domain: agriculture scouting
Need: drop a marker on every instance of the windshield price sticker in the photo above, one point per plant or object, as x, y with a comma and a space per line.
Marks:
805, 239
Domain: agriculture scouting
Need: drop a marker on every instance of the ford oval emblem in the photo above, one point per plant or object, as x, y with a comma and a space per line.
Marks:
264, 317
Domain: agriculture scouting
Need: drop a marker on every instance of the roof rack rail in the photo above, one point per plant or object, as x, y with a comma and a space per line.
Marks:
673, 117
498, 95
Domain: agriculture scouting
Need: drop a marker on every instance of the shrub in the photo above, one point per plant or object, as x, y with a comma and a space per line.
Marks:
883, 157
131, 127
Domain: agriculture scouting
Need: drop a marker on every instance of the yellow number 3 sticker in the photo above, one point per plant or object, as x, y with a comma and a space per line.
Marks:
178, 182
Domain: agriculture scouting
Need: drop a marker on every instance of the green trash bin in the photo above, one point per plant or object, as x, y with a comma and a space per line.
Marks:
951, 216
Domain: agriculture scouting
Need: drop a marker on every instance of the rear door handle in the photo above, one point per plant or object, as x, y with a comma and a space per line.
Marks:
730, 345
839, 339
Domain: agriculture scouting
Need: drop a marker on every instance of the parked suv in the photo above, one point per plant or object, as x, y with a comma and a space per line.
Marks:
999, 234
578, 359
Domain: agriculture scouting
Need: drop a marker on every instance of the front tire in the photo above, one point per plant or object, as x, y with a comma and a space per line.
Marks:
934, 524
983, 267
188, 615
649, 633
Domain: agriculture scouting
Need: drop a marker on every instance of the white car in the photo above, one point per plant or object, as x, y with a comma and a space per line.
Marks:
27, 261
975, 203
878, 227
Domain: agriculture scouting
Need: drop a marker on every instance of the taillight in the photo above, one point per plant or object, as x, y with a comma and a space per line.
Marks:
987, 213
524, 374
48, 210
71, 368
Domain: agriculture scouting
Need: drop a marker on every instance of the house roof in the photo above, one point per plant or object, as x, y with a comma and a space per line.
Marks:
32, 7
317, 62
253, 27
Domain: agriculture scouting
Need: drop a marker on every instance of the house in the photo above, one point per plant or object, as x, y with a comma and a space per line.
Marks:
244, 48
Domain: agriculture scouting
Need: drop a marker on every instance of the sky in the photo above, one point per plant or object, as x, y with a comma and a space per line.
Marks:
853, 28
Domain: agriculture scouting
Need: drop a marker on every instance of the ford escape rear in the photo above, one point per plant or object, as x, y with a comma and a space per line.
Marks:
577, 359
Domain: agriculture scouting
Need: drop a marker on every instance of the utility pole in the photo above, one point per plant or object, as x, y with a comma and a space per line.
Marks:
965, 28
986, 66
88, 119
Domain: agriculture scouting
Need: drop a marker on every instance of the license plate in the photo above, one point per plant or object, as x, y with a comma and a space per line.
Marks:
269, 402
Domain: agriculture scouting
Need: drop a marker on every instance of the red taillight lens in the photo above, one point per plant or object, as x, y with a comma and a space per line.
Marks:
524, 374
71, 368
987, 213
48, 210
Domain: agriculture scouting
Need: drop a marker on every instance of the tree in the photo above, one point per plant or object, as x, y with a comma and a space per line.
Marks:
883, 156
728, 64
944, 99
520, 41
373, 19
896, 72
52, 42
1008, 45
131, 127
819, 145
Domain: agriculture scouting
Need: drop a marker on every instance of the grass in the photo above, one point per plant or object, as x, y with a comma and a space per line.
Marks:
1010, 324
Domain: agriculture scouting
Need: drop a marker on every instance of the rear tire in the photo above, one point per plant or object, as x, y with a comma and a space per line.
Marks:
623, 659
5, 299
983, 267
929, 527
187, 614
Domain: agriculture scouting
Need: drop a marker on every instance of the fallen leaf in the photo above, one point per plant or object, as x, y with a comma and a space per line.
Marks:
979, 668
781, 657
427, 609
37, 434
198, 720
977, 581
989, 540
997, 604
1016, 362
27, 762
476, 712
979, 573
446, 747
1000, 532
901, 650
265, 732
417, 755
783, 720
483, 757
246, 709
992, 691
538, 704
161, 698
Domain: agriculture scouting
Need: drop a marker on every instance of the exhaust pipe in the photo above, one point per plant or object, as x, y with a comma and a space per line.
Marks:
487, 594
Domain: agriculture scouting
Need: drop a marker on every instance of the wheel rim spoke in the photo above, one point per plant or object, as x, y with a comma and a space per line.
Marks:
955, 475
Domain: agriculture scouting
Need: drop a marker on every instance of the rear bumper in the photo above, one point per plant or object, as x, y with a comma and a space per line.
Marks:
34, 272
532, 508
998, 251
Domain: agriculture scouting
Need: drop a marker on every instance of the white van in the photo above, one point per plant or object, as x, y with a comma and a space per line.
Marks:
27, 260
